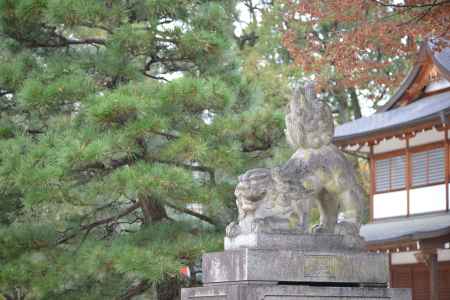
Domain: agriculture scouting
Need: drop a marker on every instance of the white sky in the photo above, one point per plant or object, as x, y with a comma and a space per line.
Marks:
244, 20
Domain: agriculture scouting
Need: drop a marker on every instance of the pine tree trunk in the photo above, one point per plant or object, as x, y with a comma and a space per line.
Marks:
169, 289
355, 104
152, 210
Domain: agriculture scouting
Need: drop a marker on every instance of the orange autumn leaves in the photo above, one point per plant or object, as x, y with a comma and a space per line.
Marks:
356, 42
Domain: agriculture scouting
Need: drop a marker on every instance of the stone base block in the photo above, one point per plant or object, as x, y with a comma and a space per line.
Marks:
292, 292
275, 266
291, 241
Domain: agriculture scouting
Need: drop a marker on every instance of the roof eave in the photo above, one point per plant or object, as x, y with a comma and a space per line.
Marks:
425, 53
410, 237
368, 135
410, 77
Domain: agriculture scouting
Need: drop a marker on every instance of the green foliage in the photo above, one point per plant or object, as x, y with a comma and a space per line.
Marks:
96, 144
98, 266
14, 69
51, 93
20, 19
73, 13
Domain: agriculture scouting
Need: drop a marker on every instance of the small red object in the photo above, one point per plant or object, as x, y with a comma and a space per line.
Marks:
185, 272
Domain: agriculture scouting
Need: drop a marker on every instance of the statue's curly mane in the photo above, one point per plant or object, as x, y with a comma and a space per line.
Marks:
309, 122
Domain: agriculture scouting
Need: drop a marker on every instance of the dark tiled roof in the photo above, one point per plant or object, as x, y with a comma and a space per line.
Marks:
413, 228
441, 57
425, 109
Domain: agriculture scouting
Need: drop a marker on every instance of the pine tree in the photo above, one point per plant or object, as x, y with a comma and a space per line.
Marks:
117, 116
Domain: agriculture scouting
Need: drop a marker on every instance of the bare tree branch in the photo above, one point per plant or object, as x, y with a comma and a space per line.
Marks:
424, 5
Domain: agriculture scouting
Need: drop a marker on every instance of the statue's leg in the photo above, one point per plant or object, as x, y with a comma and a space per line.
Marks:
352, 205
302, 209
307, 205
350, 195
328, 207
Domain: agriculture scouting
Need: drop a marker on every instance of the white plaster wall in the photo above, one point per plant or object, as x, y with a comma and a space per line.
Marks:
427, 199
358, 148
389, 205
406, 258
403, 258
389, 145
443, 254
421, 138
426, 137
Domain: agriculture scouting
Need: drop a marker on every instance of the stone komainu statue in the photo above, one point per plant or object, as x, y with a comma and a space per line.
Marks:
280, 199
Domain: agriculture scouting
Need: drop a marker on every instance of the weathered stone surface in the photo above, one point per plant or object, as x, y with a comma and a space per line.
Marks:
279, 200
291, 241
246, 265
271, 253
291, 292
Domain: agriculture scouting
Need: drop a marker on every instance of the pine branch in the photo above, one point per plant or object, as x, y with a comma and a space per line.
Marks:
132, 159
154, 77
97, 26
180, 164
34, 131
110, 219
136, 290
169, 136
253, 148
109, 166
66, 42
4, 92
57, 40
193, 213
6, 296
89, 227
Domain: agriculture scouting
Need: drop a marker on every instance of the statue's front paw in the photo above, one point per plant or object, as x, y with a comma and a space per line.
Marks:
346, 228
318, 228
260, 226
232, 229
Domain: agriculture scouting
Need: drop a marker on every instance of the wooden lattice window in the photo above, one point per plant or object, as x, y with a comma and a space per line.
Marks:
390, 174
428, 167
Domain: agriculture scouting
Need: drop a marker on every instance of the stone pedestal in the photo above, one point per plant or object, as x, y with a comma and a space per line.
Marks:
274, 266
294, 267
292, 292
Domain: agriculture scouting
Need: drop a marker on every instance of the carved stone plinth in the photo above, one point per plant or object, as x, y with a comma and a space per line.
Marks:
304, 242
274, 266
292, 292
295, 267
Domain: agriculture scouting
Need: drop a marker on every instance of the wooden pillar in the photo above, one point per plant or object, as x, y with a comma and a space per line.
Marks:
372, 182
434, 276
408, 177
430, 258
447, 167
390, 270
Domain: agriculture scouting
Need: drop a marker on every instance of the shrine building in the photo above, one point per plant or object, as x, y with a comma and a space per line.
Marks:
407, 144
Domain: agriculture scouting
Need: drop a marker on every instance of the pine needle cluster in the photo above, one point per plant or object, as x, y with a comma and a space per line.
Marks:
117, 120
